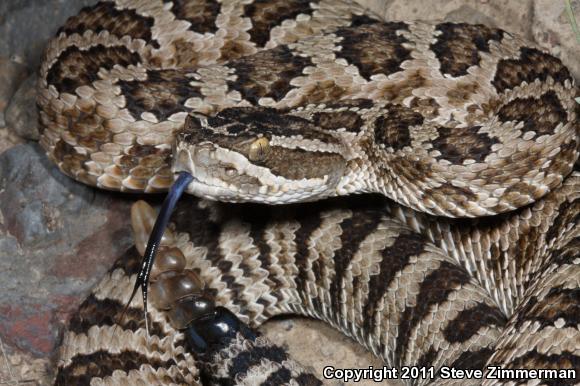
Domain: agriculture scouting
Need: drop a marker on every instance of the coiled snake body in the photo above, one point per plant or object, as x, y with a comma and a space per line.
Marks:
297, 101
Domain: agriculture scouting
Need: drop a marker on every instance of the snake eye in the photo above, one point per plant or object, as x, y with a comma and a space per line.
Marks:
231, 172
259, 149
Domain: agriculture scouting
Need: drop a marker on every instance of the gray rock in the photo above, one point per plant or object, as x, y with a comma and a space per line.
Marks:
465, 13
11, 75
552, 30
317, 345
513, 16
26, 25
21, 113
57, 239
7, 140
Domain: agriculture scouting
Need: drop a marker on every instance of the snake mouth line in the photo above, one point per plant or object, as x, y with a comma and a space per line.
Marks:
202, 189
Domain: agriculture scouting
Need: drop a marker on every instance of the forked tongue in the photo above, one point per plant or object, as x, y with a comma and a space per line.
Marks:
154, 241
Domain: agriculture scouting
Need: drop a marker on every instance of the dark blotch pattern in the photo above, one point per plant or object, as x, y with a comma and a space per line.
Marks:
278, 377
427, 358
392, 128
147, 157
266, 14
349, 120
201, 14
558, 303
427, 107
459, 193
473, 360
567, 254
540, 115
71, 160
458, 46
374, 48
267, 73
461, 143
235, 129
251, 121
533, 64
258, 217
162, 94
536, 360
360, 103
307, 380
469, 321
239, 364
434, 289
107, 312
568, 213
308, 225
358, 20
104, 16
101, 364
76, 67
130, 262
249, 358
354, 231
395, 258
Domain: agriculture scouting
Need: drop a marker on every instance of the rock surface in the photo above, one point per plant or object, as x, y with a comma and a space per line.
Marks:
512, 15
21, 114
57, 238
11, 75
313, 343
25, 25
552, 31
8, 139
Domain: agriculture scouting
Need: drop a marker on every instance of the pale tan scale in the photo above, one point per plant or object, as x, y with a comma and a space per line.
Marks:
112, 148
139, 128
107, 112
153, 139
123, 139
116, 125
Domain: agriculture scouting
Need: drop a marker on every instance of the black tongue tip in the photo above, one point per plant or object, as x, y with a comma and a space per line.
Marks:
177, 189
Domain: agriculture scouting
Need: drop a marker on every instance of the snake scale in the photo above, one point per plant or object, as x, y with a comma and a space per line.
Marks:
469, 256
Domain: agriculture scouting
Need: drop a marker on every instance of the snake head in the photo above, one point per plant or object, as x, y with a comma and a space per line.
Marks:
255, 154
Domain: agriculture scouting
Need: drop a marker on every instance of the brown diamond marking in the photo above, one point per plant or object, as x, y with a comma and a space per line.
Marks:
392, 128
266, 14
77, 67
533, 64
353, 103
267, 73
374, 48
540, 115
458, 46
201, 14
104, 16
348, 120
457, 144
162, 94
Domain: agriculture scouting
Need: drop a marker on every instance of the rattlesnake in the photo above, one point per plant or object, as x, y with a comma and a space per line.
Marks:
446, 120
